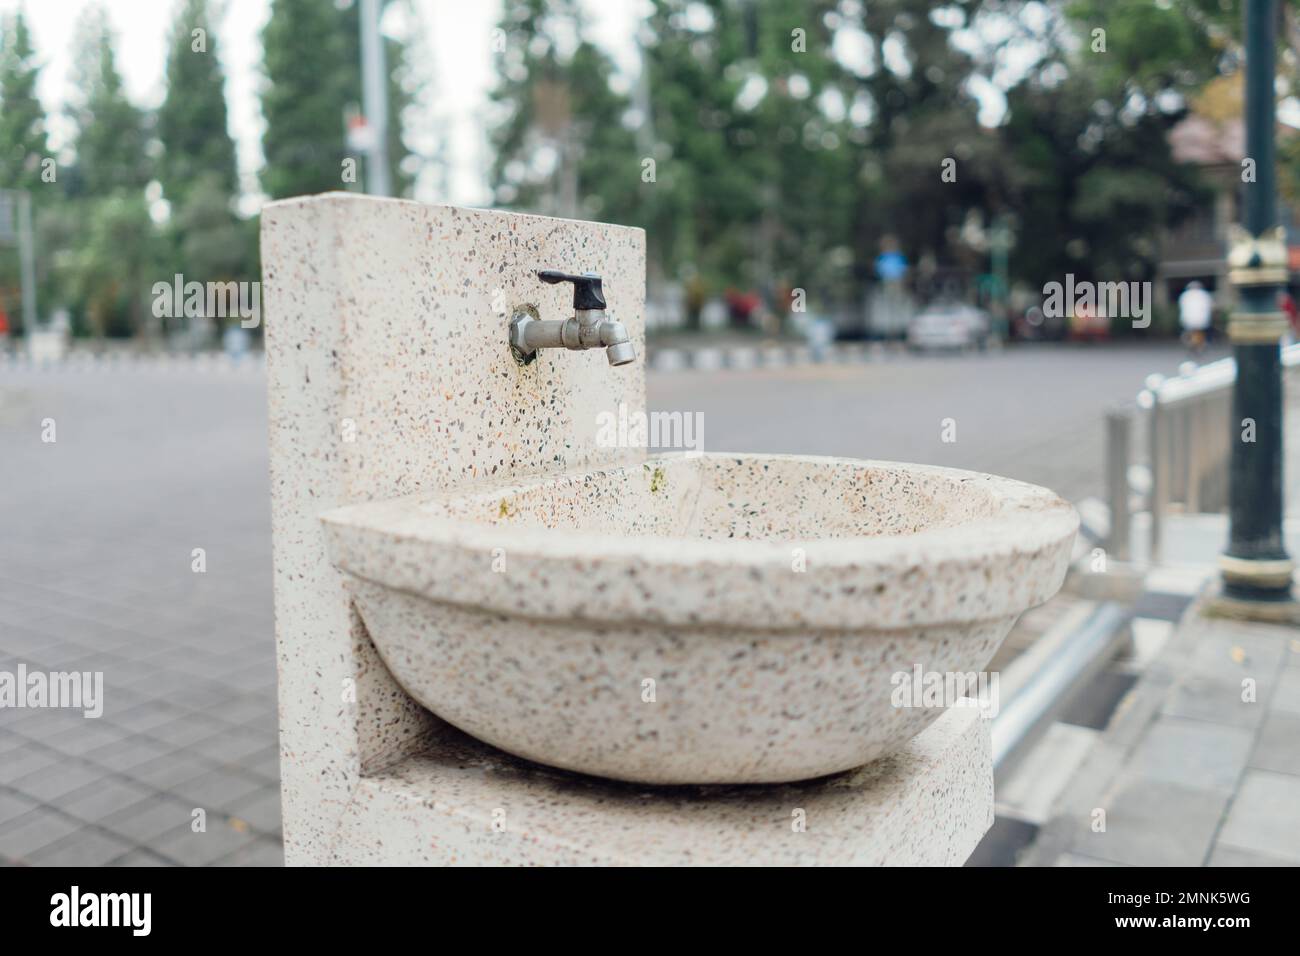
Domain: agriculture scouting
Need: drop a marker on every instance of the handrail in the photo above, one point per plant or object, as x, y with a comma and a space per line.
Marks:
1189, 446
1208, 377
1049, 689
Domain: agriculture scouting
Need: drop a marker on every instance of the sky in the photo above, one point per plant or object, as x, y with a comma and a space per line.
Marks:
458, 34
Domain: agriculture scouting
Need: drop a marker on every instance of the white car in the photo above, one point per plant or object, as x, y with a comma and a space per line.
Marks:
949, 325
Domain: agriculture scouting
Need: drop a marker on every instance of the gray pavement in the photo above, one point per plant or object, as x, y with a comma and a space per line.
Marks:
98, 532
1201, 764
97, 574
1030, 412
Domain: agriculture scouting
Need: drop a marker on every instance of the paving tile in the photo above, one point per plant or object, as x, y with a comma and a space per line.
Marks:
1154, 823
1265, 816
205, 697
258, 853
86, 847
41, 724
1234, 650
231, 746
102, 798
185, 731
19, 763
166, 772
146, 716
248, 709
202, 849
265, 763
60, 778
1214, 699
21, 837
149, 819
217, 789
82, 739
1231, 856
140, 857
261, 810
1286, 699
1194, 753
1278, 745
13, 805
128, 752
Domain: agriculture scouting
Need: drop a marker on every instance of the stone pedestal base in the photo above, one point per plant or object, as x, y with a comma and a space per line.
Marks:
460, 802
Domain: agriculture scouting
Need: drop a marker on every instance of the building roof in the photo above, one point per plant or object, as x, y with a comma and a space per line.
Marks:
1205, 142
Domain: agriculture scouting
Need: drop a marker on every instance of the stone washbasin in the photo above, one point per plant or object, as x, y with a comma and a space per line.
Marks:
699, 619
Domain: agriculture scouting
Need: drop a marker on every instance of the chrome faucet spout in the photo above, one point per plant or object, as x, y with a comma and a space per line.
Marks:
588, 329
618, 347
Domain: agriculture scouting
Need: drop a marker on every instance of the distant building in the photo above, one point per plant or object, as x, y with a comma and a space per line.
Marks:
1197, 248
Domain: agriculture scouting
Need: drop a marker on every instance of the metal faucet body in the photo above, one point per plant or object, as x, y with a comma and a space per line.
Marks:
587, 329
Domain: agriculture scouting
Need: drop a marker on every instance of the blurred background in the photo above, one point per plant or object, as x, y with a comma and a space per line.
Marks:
852, 213
875, 157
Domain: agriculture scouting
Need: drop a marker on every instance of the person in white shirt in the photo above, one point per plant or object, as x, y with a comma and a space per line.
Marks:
1195, 309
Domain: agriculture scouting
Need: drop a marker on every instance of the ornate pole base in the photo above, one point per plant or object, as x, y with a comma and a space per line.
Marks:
1257, 571
1240, 601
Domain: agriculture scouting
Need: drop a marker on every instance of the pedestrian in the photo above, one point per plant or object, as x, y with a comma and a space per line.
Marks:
1195, 308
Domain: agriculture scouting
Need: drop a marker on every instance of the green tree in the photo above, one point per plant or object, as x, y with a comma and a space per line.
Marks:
1091, 189
192, 118
914, 119
312, 55
23, 148
114, 267
304, 50
111, 137
22, 118
105, 275
755, 170
1091, 171
563, 147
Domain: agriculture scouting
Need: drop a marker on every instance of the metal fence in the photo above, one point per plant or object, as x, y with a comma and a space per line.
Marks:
1187, 422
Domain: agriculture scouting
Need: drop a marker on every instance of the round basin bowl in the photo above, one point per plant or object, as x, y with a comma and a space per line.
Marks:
703, 619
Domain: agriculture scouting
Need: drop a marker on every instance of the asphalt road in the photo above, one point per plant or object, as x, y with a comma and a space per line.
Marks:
1035, 413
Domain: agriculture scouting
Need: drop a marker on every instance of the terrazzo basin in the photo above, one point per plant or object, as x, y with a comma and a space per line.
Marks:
699, 618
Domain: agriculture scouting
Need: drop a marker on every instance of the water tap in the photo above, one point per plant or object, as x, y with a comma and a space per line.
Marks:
588, 329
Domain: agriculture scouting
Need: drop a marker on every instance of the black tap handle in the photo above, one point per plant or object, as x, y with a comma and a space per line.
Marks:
587, 293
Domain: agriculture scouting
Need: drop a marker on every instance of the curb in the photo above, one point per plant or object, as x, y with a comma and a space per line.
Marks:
744, 357
182, 362
703, 359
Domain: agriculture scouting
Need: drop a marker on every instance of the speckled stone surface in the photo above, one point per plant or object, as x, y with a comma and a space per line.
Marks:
389, 377
768, 600
460, 803
389, 374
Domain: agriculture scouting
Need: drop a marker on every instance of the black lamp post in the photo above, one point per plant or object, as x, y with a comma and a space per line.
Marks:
1256, 567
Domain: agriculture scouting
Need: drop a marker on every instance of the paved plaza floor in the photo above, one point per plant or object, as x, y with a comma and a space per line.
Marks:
98, 573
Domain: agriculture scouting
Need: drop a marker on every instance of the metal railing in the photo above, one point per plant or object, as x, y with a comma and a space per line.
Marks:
1055, 674
1188, 435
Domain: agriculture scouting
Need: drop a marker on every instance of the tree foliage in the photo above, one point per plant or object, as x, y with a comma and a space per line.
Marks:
793, 140
192, 119
22, 118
